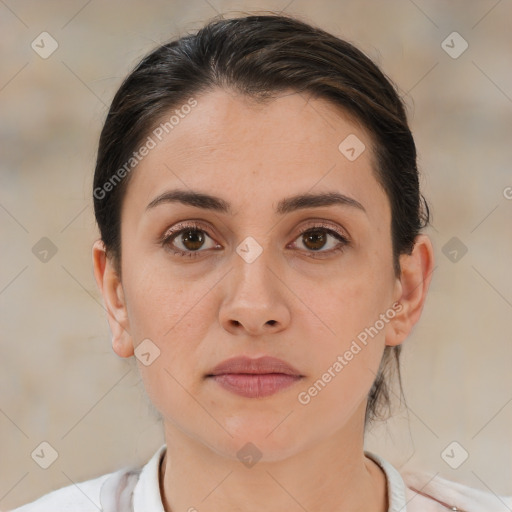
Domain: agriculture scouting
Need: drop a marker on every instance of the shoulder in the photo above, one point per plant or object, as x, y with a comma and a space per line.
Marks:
101, 493
428, 492
79, 497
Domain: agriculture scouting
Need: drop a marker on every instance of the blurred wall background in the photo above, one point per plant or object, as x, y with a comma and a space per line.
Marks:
60, 381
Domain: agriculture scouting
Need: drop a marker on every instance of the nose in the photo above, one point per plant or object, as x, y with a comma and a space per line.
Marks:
255, 299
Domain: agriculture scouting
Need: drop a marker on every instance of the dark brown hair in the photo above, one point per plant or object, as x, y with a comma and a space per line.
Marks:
259, 56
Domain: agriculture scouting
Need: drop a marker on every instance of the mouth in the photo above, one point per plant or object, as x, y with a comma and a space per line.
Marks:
254, 378
255, 385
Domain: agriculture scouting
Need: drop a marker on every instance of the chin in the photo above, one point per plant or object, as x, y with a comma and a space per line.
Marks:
270, 440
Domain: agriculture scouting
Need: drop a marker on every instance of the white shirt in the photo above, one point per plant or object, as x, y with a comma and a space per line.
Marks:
138, 490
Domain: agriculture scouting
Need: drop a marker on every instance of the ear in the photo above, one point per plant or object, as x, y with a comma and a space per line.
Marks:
111, 288
411, 289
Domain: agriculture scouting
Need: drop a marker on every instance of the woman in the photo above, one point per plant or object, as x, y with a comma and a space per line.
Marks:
261, 256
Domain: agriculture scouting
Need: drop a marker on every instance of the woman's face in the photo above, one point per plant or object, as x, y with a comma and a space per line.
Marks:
248, 282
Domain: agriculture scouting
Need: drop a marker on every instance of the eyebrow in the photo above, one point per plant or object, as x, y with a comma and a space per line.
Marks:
287, 205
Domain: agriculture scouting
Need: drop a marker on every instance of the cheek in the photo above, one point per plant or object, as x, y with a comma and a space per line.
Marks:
174, 315
350, 303
159, 304
345, 368
168, 317
348, 338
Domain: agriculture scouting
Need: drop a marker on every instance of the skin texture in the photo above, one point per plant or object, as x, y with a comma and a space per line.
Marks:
200, 311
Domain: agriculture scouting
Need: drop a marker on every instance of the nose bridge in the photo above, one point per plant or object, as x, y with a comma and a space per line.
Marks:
253, 298
252, 275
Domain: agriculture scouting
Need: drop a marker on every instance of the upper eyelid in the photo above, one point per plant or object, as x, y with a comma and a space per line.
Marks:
202, 225
179, 227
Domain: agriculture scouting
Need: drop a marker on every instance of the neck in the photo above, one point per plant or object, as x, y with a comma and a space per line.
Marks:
331, 475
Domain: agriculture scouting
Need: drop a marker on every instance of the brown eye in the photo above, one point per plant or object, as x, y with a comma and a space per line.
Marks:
192, 239
314, 240
317, 238
188, 241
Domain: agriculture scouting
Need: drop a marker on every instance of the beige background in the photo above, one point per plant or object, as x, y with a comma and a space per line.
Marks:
60, 380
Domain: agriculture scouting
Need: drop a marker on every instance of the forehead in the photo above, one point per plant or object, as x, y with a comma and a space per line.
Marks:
231, 146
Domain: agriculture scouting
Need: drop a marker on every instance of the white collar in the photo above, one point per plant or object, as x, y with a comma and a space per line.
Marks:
395, 483
146, 494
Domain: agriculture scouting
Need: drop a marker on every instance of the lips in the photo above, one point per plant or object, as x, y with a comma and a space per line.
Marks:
254, 378
261, 365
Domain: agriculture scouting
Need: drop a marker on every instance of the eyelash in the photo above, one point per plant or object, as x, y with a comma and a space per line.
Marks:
169, 236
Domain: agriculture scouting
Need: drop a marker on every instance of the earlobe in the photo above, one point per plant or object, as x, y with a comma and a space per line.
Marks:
111, 289
412, 288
